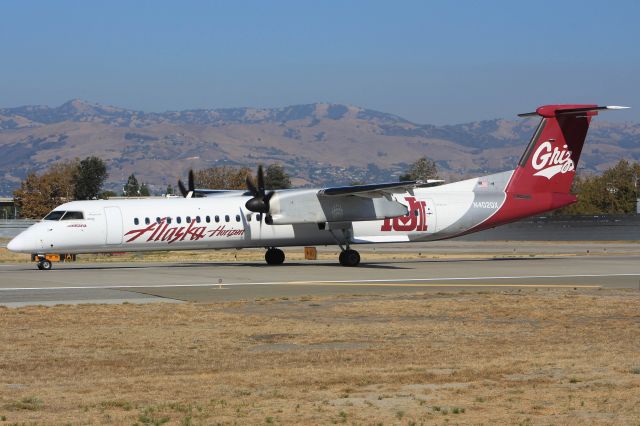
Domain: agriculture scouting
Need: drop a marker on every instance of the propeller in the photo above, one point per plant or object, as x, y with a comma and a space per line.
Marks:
190, 191
260, 201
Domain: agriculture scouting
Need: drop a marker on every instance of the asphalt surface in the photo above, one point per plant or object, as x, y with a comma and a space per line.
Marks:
138, 282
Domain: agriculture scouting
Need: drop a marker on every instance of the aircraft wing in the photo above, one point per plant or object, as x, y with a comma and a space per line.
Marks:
342, 204
378, 189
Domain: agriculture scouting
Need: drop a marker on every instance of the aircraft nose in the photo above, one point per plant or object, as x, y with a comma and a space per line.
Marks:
21, 244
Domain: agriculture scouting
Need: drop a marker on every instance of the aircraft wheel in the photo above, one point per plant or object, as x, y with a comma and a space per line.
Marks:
44, 265
274, 256
349, 258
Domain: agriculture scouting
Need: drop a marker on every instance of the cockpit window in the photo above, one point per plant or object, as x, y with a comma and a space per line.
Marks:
73, 216
55, 215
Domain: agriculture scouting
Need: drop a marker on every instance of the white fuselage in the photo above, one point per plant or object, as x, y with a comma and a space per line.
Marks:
222, 221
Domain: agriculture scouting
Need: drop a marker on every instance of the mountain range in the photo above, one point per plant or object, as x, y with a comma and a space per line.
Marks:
319, 144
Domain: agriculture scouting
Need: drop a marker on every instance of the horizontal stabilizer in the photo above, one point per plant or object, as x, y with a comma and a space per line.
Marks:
556, 110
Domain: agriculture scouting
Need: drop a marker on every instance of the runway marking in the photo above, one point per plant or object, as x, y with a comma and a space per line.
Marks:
400, 284
372, 282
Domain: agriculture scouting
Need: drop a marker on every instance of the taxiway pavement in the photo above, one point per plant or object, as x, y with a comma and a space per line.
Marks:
139, 282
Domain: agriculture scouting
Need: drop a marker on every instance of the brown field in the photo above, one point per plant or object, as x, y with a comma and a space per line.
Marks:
517, 357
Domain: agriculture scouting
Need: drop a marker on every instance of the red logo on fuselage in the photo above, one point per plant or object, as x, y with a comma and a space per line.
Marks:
415, 220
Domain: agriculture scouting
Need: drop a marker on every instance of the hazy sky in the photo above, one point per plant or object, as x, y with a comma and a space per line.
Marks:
430, 62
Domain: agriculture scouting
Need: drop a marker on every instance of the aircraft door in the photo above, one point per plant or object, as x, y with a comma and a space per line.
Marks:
113, 219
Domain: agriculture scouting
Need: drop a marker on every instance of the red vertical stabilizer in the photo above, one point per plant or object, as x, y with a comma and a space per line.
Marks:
543, 178
549, 162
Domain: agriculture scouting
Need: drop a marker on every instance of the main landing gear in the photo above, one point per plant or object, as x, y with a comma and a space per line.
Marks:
44, 264
349, 257
274, 256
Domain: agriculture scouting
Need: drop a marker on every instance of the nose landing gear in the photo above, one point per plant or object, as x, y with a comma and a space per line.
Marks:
274, 256
44, 264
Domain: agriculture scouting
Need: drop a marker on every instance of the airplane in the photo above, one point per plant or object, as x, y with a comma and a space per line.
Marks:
392, 212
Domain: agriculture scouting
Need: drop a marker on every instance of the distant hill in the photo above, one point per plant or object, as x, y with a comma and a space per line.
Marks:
319, 144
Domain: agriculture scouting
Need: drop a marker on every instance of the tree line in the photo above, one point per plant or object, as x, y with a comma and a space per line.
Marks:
66, 181
613, 192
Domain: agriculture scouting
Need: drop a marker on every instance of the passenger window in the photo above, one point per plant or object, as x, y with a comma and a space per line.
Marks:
259, 217
72, 216
136, 221
158, 220
226, 218
188, 219
54, 215
208, 219
249, 217
168, 220
237, 218
146, 221
198, 219
417, 213
179, 219
217, 218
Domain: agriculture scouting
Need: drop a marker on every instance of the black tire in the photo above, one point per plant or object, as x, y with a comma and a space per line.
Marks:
39, 265
349, 258
274, 256
45, 265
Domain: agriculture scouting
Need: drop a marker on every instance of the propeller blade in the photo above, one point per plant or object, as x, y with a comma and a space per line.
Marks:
261, 180
183, 189
251, 187
267, 198
259, 203
192, 184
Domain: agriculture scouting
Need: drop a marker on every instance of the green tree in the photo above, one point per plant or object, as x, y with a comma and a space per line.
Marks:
105, 195
423, 169
132, 187
144, 190
88, 178
613, 192
169, 190
276, 178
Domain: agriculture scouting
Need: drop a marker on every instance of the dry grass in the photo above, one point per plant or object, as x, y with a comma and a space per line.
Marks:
546, 357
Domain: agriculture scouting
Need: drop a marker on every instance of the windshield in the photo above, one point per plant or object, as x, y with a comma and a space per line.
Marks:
73, 216
54, 215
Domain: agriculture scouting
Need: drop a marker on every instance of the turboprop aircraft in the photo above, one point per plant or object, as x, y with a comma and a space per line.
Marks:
349, 215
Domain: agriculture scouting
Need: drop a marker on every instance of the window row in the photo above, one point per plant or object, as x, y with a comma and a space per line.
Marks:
196, 219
